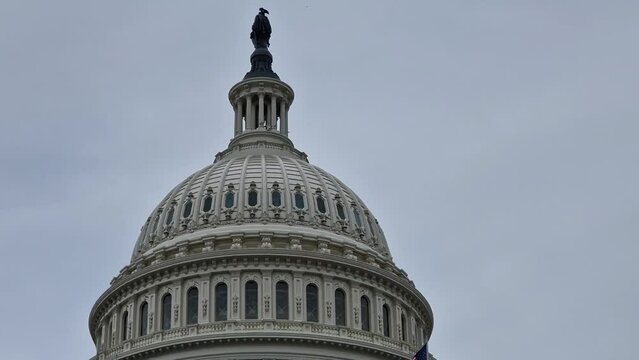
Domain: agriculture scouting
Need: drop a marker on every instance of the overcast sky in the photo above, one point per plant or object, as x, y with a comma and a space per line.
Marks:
497, 142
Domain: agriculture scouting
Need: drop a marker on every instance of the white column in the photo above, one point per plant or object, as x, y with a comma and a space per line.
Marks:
235, 293
249, 113
205, 304
267, 295
238, 118
298, 296
176, 312
273, 124
260, 110
283, 118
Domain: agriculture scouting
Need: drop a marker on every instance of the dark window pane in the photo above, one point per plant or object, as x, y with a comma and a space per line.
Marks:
281, 300
386, 320
125, 324
340, 307
166, 312
321, 205
188, 208
208, 203
358, 219
250, 300
312, 305
299, 200
366, 322
229, 200
252, 198
221, 302
276, 198
169, 216
340, 211
191, 305
144, 318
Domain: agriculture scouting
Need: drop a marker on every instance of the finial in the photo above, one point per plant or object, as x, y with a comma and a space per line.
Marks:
261, 33
261, 59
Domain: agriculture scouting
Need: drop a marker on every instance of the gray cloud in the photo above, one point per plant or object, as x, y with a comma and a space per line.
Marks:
496, 141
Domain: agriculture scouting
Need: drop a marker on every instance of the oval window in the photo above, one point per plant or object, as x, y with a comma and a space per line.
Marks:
321, 205
229, 200
276, 198
358, 219
188, 208
340, 211
370, 225
299, 200
169, 216
208, 203
252, 198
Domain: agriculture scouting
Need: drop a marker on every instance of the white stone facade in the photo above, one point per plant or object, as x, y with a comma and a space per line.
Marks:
261, 255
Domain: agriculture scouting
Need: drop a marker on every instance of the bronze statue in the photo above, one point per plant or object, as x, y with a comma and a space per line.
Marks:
261, 33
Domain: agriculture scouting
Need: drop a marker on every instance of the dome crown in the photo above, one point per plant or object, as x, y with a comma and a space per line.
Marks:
272, 191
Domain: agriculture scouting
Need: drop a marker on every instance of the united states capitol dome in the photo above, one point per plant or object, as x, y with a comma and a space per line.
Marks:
261, 255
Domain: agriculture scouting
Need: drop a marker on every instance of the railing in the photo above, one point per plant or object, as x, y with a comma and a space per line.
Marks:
255, 327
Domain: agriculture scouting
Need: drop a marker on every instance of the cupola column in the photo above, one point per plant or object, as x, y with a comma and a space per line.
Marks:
249, 113
260, 115
283, 118
238, 118
273, 122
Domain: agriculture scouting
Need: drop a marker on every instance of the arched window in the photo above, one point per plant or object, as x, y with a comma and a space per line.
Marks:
276, 198
312, 303
358, 219
321, 204
281, 300
188, 209
221, 302
207, 204
386, 319
340, 211
340, 307
403, 320
365, 309
125, 325
166, 312
252, 197
250, 300
229, 200
169, 216
299, 200
144, 318
191, 305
